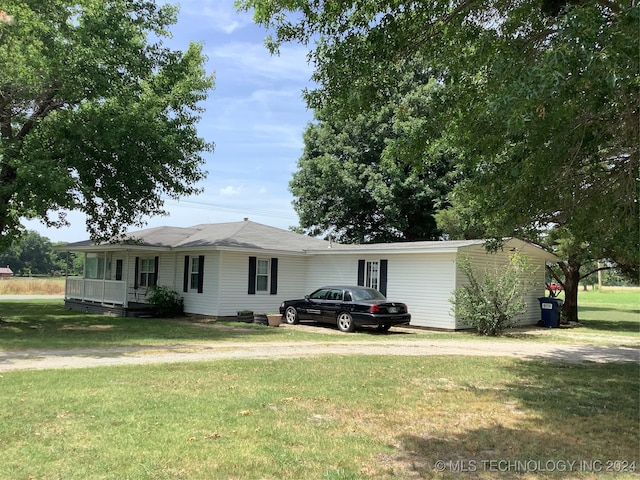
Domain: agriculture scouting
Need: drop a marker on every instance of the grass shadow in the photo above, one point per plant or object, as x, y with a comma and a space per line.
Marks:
600, 319
368, 330
588, 412
50, 325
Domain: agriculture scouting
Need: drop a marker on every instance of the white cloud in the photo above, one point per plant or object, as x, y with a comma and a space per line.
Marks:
253, 59
282, 135
219, 15
230, 190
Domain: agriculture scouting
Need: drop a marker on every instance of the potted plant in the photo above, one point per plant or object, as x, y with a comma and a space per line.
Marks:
274, 319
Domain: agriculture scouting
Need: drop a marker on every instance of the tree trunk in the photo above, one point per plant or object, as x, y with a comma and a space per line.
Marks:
571, 270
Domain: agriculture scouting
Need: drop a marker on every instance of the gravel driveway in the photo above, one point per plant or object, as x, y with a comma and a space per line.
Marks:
83, 358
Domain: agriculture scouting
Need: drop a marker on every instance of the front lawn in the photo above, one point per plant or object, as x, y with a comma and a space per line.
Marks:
342, 418
325, 418
609, 318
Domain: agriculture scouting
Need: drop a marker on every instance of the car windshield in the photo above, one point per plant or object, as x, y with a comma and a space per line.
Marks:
360, 294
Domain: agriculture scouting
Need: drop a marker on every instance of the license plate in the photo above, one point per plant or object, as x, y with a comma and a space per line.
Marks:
393, 309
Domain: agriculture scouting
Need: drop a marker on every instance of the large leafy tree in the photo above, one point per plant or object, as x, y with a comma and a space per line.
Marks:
351, 183
33, 254
542, 97
96, 114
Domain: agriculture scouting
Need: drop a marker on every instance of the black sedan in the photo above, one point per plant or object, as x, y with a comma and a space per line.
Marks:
348, 307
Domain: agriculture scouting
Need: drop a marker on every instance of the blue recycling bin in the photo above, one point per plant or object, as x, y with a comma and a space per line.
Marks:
550, 310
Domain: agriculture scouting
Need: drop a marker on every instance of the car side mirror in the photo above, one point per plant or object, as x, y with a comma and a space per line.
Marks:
306, 297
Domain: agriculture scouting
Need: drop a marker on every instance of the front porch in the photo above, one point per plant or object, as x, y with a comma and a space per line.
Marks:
109, 297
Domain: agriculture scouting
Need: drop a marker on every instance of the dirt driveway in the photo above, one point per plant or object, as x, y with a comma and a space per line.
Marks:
84, 358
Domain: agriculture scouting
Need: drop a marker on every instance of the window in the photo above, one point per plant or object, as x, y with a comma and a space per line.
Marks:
147, 272
94, 266
335, 295
319, 294
195, 273
262, 275
371, 275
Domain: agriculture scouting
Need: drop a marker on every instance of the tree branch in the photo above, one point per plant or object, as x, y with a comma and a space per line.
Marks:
43, 108
600, 269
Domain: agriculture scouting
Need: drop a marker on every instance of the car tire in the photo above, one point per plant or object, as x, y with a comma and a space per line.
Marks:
345, 322
291, 316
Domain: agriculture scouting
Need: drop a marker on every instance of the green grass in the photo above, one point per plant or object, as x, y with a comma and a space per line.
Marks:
328, 418
45, 324
342, 418
614, 311
610, 317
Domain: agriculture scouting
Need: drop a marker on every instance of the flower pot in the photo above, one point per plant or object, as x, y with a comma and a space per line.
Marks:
274, 320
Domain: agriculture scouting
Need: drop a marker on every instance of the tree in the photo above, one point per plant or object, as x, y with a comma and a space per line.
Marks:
96, 115
351, 185
541, 97
65, 262
31, 255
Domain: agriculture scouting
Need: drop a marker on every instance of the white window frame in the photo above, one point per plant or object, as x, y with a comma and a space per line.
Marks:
372, 274
263, 274
147, 271
194, 272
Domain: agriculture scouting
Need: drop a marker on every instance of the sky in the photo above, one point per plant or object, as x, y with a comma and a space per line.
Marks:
255, 116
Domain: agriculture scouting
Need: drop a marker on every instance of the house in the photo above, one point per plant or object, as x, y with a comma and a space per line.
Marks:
5, 273
220, 269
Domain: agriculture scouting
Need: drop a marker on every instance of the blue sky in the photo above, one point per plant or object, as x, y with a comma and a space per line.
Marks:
255, 116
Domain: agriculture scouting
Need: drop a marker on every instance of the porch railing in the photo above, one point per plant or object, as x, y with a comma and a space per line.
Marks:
104, 291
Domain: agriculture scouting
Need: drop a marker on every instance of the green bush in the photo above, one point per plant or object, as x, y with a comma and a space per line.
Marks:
491, 301
166, 302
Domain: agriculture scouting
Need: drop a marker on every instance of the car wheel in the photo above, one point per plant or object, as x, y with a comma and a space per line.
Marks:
345, 322
291, 316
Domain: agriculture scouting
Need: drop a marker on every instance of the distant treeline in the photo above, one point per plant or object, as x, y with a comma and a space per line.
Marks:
34, 254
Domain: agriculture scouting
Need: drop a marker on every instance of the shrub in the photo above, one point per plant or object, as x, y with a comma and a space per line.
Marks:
166, 302
490, 302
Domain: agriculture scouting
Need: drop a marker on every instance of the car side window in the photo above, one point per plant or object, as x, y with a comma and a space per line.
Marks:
319, 294
335, 295
347, 297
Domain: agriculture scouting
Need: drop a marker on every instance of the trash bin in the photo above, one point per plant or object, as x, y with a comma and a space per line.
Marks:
550, 309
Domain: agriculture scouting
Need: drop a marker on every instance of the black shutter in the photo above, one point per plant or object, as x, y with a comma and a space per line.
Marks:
200, 273
185, 279
361, 272
119, 269
274, 276
252, 275
155, 270
136, 273
383, 277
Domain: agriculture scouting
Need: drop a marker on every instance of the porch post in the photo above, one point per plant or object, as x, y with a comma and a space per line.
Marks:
84, 273
66, 275
104, 276
125, 301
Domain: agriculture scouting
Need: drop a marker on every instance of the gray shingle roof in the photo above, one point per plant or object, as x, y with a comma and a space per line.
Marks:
256, 236
245, 234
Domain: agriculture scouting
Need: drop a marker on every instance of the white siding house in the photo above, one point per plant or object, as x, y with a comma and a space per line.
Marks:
220, 269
